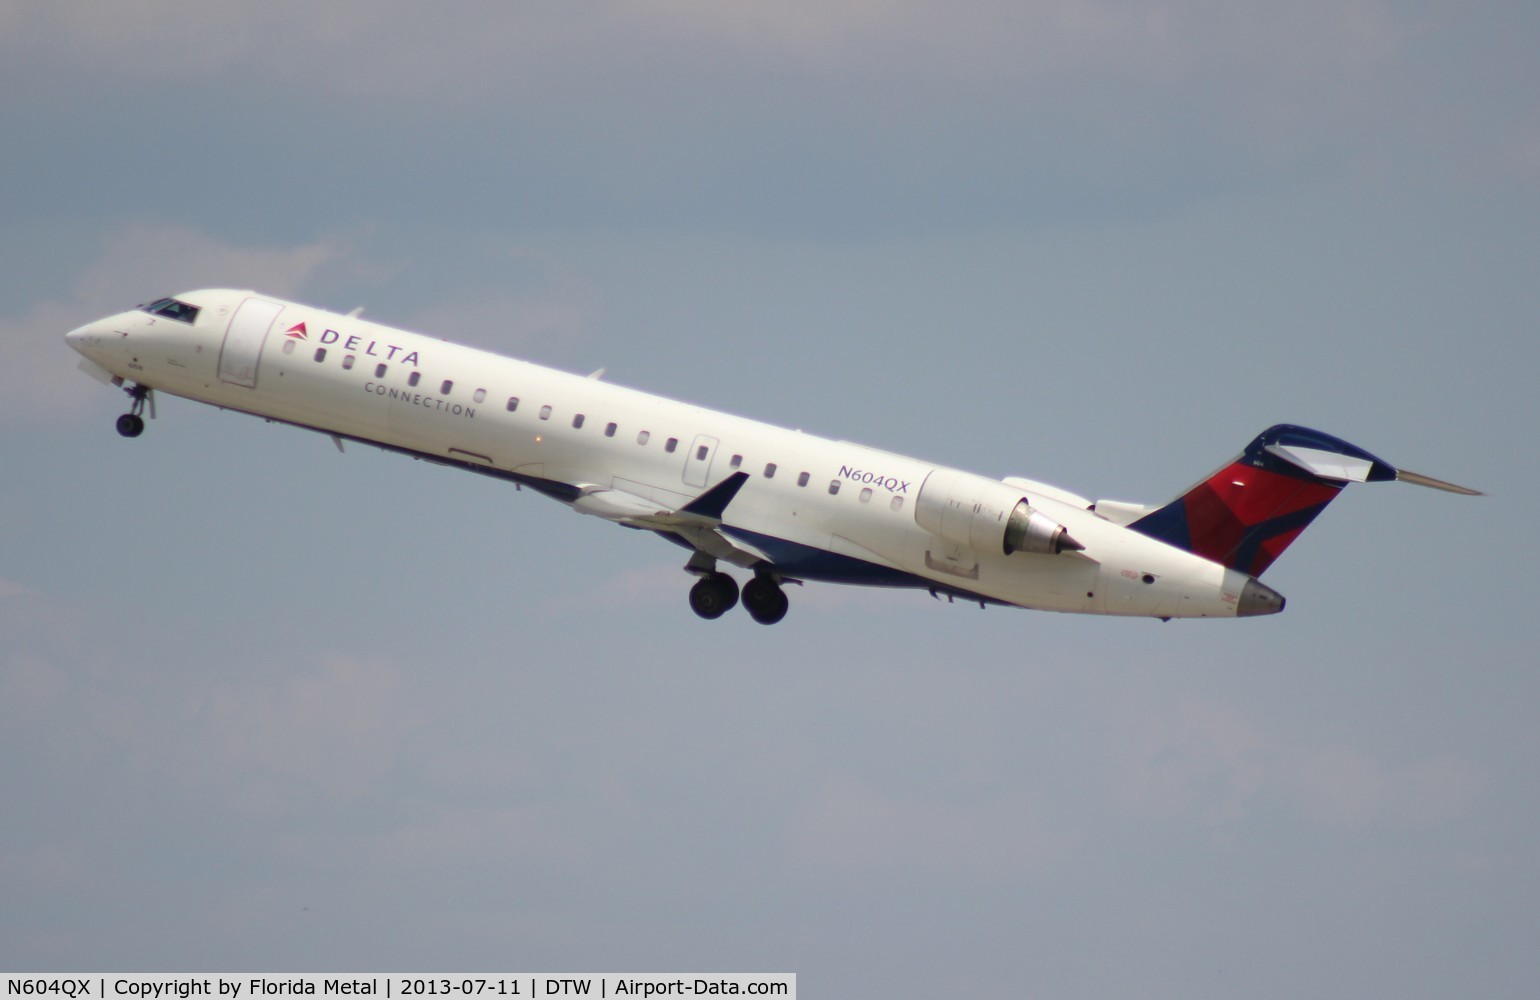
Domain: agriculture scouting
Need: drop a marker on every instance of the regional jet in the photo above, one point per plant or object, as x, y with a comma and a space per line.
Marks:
778, 505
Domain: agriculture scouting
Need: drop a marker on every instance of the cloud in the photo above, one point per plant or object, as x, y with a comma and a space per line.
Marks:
1195, 759
850, 825
132, 265
1341, 786
1201, 760
997, 37
330, 730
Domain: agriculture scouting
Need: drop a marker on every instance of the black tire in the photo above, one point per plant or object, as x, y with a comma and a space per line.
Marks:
713, 595
765, 601
130, 425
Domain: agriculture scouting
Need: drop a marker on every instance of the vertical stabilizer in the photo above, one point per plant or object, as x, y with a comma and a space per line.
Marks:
1245, 514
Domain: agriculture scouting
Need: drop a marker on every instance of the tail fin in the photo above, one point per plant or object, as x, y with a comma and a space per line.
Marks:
1245, 514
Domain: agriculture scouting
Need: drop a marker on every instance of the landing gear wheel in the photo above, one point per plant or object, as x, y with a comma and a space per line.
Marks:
764, 600
131, 424
714, 595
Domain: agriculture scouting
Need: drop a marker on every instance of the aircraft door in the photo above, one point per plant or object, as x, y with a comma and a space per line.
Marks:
697, 464
242, 348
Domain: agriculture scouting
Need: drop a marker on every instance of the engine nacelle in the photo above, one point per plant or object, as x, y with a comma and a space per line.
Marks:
987, 516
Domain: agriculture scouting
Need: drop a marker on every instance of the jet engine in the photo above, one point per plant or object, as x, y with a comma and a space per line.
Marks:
987, 516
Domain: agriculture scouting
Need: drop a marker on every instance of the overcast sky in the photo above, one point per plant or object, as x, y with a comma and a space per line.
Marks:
266, 707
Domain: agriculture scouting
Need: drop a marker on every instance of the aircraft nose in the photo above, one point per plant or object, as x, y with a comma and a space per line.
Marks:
82, 338
95, 341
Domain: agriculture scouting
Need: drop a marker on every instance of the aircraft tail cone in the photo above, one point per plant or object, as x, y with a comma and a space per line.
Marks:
1257, 598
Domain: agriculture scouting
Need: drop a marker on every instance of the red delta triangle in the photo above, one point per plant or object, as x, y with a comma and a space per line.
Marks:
297, 331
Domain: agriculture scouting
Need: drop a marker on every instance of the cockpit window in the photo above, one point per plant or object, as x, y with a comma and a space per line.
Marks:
172, 309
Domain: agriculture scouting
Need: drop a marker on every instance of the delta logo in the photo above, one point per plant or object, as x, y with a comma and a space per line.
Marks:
297, 332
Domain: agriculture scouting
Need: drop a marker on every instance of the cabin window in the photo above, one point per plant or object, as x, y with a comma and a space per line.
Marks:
866, 495
479, 396
802, 479
642, 436
413, 379
610, 429
545, 412
897, 503
513, 403
444, 389
379, 371
769, 470
288, 347
736, 461
347, 362
577, 421
320, 354
670, 445
834, 487
701, 453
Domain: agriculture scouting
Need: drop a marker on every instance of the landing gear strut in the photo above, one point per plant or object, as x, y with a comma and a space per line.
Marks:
131, 424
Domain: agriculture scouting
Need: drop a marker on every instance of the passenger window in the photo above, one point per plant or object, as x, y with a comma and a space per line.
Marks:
347, 362
670, 445
897, 503
642, 436
802, 479
701, 453
545, 412
609, 430
444, 389
288, 347
513, 403
737, 460
577, 421
379, 371
320, 354
769, 470
834, 487
479, 396
866, 495
413, 379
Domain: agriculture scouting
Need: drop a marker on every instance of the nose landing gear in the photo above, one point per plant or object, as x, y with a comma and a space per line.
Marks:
131, 424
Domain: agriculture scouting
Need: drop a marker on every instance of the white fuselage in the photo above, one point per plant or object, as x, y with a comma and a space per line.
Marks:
815, 508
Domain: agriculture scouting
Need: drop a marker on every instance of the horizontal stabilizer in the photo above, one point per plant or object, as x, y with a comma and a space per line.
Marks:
1416, 479
1328, 464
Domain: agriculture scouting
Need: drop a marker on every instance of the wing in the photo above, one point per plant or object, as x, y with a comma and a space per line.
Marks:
698, 523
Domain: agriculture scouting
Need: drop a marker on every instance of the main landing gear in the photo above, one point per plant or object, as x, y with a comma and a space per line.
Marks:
131, 424
764, 600
715, 594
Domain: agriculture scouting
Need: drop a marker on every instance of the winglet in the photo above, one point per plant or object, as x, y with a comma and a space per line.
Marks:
713, 503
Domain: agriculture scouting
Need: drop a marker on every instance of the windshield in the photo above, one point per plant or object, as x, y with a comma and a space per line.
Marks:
172, 309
